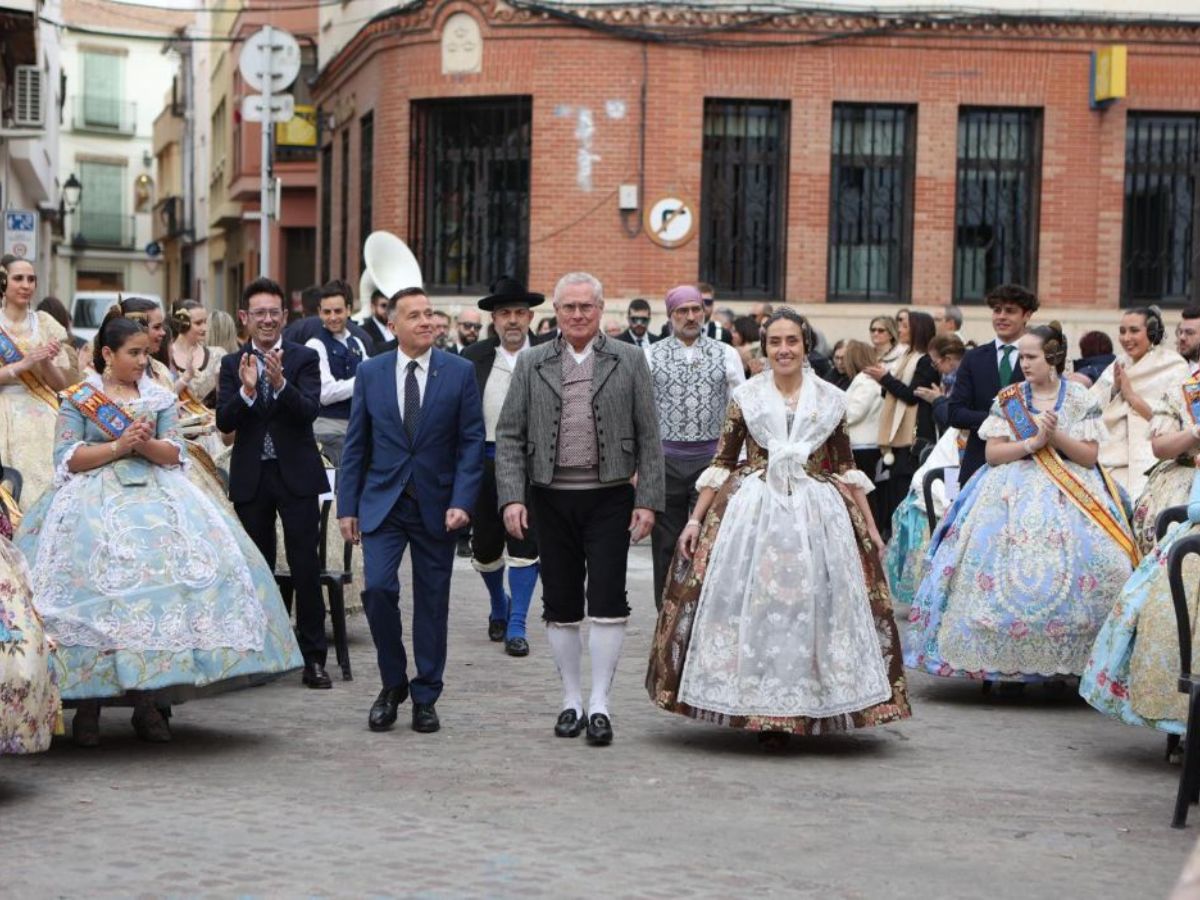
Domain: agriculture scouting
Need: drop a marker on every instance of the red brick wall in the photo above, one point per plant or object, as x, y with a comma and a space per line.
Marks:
564, 68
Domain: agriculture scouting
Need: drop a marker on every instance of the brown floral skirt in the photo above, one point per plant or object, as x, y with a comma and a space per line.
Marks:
673, 634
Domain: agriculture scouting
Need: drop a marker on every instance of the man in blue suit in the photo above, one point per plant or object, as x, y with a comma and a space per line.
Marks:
411, 470
987, 369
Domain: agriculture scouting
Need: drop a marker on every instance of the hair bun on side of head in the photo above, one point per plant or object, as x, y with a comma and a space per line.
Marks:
1056, 325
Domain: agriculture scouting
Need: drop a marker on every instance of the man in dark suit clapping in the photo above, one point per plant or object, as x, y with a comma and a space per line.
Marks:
269, 394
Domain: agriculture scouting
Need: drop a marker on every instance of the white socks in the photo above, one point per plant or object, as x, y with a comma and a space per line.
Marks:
566, 645
604, 647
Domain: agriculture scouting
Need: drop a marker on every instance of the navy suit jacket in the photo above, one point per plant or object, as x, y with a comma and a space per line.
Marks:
289, 419
444, 461
975, 388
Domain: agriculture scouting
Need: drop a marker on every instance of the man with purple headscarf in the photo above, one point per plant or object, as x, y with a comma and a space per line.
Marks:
693, 377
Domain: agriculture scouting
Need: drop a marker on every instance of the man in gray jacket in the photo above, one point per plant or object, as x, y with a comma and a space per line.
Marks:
578, 440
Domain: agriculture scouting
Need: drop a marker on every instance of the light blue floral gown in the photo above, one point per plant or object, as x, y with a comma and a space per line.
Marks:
904, 558
1019, 580
143, 581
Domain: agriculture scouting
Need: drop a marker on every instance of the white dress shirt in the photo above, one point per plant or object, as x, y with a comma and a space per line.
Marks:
335, 390
422, 373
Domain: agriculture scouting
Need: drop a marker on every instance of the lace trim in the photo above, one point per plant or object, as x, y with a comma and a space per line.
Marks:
61, 473
855, 478
713, 477
995, 427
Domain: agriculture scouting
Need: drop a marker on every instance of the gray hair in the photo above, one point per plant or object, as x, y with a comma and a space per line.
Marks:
954, 314
572, 278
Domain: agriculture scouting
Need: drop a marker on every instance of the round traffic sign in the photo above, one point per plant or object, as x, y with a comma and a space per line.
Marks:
270, 50
670, 222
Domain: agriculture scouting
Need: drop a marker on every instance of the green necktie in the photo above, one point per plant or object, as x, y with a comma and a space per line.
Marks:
1006, 368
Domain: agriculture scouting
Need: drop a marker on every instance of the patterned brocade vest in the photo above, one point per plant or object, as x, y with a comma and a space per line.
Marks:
691, 395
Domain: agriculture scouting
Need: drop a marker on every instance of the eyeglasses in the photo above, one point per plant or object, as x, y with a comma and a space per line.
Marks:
878, 331
708, 301
639, 320
578, 309
470, 326
260, 314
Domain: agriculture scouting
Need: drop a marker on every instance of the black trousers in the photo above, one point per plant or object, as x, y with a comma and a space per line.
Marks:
681, 476
489, 539
301, 517
583, 542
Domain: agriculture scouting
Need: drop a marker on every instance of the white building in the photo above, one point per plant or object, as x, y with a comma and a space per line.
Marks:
29, 53
114, 91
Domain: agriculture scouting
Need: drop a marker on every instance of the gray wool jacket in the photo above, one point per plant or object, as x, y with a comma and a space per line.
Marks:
626, 422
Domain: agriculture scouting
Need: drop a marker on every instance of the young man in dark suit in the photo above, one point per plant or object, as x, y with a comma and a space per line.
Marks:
376, 326
988, 368
411, 469
638, 332
269, 394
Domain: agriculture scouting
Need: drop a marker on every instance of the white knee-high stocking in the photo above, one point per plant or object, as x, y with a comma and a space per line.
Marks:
566, 645
604, 647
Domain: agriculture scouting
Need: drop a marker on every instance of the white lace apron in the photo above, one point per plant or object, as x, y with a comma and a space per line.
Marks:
783, 625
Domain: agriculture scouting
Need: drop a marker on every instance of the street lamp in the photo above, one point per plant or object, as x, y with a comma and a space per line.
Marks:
70, 193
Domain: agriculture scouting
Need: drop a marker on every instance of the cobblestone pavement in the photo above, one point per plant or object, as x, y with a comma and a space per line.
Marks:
279, 791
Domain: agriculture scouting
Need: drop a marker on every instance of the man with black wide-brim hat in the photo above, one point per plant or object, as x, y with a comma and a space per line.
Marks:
495, 359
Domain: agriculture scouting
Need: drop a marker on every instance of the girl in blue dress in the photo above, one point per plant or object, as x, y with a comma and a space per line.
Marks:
1031, 556
151, 591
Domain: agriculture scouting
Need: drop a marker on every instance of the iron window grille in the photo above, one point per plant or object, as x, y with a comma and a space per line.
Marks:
871, 205
326, 211
996, 208
743, 196
366, 152
344, 238
469, 190
1160, 243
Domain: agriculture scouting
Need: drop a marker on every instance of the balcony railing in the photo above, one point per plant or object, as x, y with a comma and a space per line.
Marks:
105, 229
107, 115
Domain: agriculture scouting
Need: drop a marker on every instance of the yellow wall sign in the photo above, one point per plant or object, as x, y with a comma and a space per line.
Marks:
1108, 74
300, 130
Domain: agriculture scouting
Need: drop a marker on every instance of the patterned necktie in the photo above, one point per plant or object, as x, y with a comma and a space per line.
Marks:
1006, 366
412, 401
266, 394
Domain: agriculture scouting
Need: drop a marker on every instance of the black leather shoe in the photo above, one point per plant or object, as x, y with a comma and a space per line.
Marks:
569, 724
517, 646
425, 718
496, 629
383, 710
464, 548
599, 730
316, 677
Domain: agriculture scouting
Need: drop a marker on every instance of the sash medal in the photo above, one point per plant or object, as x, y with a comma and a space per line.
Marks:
1016, 411
99, 409
10, 353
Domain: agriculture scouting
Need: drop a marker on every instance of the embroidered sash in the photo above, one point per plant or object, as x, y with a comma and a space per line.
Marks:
11, 353
1015, 410
99, 409
190, 405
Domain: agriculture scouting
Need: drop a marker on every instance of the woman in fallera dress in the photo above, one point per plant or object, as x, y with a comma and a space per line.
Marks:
35, 363
1030, 557
151, 591
777, 617
1172, 440
29, 704
1133, 671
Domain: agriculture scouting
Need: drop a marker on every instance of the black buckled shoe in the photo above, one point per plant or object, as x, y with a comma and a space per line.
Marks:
569, 724
599, 730
316, 677
496, 629
384, 709
516, 646
425, 718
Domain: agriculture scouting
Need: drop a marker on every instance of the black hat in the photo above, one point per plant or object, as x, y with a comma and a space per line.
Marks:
507, 292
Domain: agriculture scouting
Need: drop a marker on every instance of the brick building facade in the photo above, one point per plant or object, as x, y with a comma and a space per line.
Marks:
824, 159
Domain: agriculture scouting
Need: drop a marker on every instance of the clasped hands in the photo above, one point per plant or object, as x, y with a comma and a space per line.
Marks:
134, 438
1047, 423
47, 352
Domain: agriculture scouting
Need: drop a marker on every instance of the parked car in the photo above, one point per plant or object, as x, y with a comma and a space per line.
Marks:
88, 309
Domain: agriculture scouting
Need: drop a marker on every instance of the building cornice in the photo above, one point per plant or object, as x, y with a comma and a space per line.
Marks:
747, 27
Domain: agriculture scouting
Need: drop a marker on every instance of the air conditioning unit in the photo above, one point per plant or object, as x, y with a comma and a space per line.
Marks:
29, 106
